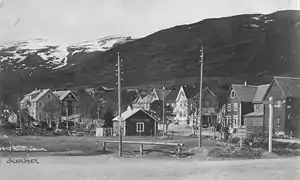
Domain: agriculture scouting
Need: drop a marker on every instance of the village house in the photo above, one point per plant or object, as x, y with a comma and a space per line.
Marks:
69, 105
285, 92
7, 114
144, 100
210, 106
136, 122
42, 105
181, 109
254, 120
239, 103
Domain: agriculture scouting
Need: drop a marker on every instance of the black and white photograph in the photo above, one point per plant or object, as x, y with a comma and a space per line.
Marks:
149, 89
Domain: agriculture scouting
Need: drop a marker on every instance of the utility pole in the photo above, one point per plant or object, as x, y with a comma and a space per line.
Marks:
98, 110
163, 98
119, 107
271, 106
200, 100
19, 107
270, 123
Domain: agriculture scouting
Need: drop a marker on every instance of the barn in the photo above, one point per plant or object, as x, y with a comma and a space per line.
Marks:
136, 122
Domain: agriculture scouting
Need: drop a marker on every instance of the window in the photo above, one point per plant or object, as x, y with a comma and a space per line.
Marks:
206, 103
257, 122
232, 94
257, 107
180, 114
228, 119
140, 127
235, 106
40, 104
48, 96
235, 119
229, 107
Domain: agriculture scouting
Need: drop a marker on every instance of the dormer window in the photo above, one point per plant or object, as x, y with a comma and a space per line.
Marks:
232, 94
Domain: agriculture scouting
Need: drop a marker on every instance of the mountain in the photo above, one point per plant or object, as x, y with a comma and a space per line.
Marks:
54, 55
252, 47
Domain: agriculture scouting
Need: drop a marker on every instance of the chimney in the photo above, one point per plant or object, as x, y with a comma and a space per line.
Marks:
245, 83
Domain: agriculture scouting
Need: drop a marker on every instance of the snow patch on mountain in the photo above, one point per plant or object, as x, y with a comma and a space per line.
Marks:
103, 44
55, 55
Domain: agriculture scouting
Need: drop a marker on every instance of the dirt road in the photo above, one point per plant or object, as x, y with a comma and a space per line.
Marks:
107, 167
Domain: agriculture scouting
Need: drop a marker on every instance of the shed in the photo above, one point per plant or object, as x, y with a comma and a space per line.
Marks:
136, 122
254, 123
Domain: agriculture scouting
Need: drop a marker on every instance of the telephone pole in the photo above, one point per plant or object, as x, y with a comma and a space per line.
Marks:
270, 123
119, 106
163, 98
270, 133
200, 99
19, 111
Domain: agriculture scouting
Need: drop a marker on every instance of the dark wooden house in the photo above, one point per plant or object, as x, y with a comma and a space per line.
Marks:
136, 122
254, 120
239, 103
70, 105
210, 106
285, 92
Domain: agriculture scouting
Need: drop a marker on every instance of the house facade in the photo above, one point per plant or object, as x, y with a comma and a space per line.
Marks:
69, 105
42, 105
181, 108
210, 107
239, 103
254, 121
285, 92
144, 101
136, 122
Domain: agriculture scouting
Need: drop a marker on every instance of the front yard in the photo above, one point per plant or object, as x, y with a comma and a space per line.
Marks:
89, 146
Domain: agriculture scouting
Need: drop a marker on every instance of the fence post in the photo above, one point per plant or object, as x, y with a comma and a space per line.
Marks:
241, 141
178, 150
141, 149
104, 146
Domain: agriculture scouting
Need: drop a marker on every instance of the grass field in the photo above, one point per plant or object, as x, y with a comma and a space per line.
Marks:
87, 145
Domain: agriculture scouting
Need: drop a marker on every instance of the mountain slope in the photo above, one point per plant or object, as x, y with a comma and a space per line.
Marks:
248, 47
251, 47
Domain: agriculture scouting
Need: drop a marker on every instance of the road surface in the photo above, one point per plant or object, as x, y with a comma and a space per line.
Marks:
107, 167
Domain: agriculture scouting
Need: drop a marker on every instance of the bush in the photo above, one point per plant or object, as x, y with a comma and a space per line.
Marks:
235, 140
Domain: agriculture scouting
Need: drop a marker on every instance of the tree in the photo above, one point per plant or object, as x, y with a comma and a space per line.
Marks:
108, 117
25, 111
193, 112
156, 108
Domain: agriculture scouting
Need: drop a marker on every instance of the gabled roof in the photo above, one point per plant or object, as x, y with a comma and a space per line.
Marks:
205, 89
290, 86
172, 95
162, 93
190, 91
63, 94
35, 95
130, 112
260, 93
245, 93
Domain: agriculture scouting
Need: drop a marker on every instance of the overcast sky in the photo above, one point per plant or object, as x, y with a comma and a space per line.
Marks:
69, 21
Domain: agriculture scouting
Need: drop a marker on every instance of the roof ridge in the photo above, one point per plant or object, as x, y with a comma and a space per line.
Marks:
244, 85
286, 77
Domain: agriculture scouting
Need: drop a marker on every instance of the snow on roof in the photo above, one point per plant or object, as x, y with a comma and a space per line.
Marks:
35, 95
130, 112
62, 94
